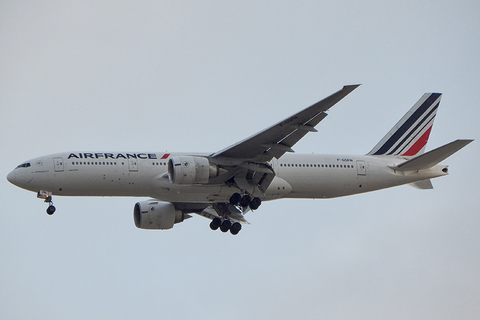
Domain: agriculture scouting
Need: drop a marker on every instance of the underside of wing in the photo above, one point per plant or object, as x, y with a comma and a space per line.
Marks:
214, 210
223, 211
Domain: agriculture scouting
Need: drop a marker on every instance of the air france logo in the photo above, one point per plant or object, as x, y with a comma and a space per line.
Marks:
102, 155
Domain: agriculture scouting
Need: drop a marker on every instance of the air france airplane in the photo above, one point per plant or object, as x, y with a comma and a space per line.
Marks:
224, 185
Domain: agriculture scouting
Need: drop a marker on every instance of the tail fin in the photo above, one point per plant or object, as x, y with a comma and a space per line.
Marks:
410, 135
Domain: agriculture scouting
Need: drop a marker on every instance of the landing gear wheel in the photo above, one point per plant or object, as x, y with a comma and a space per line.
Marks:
235, 198
235, 228
245, 201
216, 222
225, 225
255, 203
50, 210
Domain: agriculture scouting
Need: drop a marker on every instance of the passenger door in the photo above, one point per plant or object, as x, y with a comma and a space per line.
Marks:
58, 164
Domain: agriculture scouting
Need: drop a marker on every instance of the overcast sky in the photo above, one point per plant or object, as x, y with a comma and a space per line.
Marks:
200, 76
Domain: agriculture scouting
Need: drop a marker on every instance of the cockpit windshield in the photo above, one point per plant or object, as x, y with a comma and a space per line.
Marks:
23, 165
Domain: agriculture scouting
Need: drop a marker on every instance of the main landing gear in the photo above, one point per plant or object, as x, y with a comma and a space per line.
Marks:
245, 202
225, 225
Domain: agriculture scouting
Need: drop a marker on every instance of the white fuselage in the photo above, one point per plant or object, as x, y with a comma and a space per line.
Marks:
145, 175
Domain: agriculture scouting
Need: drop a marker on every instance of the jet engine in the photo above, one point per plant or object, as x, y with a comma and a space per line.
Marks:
156, 215
191, 170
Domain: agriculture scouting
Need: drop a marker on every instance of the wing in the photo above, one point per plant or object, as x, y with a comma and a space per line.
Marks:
280, 138
245, 166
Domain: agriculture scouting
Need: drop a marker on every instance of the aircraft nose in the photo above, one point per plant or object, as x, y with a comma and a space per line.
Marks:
12, 177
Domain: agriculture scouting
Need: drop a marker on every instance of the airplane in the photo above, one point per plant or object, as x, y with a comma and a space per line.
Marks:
223, 186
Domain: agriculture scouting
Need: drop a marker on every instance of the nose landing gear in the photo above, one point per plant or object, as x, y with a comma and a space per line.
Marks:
47, 196
51, 208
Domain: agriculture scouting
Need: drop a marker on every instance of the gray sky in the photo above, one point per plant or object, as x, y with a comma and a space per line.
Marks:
199, 76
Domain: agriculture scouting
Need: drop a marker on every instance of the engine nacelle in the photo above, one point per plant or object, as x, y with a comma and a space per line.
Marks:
156, 215
191, 170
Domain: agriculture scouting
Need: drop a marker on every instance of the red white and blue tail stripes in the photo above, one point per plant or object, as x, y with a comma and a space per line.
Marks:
410, 135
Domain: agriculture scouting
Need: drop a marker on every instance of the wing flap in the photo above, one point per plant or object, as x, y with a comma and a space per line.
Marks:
223, 210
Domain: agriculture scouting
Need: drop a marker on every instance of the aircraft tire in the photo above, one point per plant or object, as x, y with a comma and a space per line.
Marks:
255, 203
245, 201
235, 228
225, 226
215, 224
50, 210
235, 198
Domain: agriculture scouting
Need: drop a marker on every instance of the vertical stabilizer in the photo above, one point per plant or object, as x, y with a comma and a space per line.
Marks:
410, 135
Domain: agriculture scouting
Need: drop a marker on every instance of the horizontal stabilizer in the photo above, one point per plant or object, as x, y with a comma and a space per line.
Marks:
431, 158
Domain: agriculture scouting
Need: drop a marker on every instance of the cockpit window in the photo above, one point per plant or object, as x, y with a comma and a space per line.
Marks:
24, 165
